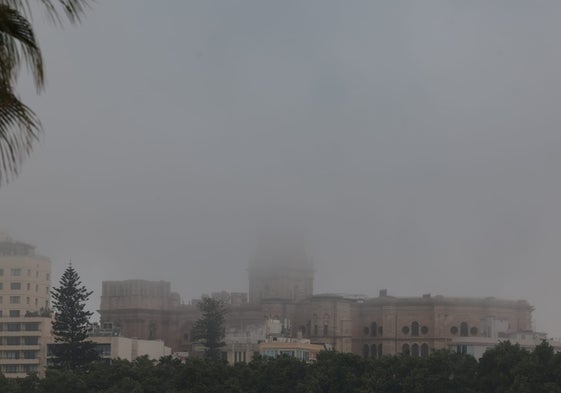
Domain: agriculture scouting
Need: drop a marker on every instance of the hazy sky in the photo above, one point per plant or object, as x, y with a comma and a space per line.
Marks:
417, 144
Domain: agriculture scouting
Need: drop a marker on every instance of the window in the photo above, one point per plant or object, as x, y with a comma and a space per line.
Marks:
14, 299
30, 368
424, 350
36, 287
15, 286
373, 329
47, 290
34, 340
315, 330
373, 351
14, 313
12, 354
454, 330
15, 272
380, 330
0, 299
415, 350
424, 330
13, 327
13, 341
1, 285
30, 354
405, 330
10, 368
325, 329
405, 349
48, 276
365, 350
366, 330
463, 329
28, 286
415, 328
104, 350
380, 353
473, 331
31, 326
461, 349
27, 300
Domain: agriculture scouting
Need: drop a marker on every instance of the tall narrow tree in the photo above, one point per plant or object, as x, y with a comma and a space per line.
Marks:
209, 330
71, 323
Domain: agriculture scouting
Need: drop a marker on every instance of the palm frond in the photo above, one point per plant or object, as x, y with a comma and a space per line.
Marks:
19, 128
72, 9
17, 44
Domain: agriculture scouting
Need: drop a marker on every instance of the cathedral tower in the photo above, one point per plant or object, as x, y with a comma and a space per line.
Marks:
280, 270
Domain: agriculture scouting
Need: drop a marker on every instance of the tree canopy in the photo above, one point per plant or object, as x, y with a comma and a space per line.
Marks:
441, 372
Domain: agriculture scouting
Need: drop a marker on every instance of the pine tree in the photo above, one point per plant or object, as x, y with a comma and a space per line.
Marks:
72, 350
209, 330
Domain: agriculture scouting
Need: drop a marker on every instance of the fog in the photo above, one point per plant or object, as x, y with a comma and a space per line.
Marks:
414, 145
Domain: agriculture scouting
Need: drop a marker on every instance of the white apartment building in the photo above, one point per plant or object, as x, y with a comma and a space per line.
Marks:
25, 323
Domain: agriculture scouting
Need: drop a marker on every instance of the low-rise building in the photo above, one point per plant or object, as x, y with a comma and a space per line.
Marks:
300, 349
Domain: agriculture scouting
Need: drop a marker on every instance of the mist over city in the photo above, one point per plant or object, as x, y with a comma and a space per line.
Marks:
407, 146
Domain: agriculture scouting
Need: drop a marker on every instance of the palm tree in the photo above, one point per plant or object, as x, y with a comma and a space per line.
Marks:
19, 48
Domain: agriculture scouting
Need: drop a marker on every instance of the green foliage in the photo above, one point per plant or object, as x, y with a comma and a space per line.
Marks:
19, 48
506, 368
71, 323
209, 329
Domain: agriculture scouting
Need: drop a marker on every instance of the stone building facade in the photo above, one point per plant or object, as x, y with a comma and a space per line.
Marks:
281, 288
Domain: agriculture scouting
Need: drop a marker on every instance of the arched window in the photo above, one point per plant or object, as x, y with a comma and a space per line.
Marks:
415, 328
380, 353
373, 329
464, 329
424, 350
415, 350
405, 349
373, 351
365, 350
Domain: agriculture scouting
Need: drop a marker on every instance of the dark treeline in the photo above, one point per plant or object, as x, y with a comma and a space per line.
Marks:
506, 368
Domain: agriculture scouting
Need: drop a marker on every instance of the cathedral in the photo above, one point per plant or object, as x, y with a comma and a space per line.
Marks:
281, 289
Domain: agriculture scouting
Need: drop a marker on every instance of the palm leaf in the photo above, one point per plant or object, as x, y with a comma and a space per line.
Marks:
72, 9
17, 44
19, 128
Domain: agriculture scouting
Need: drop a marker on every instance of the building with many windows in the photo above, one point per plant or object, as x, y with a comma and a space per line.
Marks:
281, 289
25, 323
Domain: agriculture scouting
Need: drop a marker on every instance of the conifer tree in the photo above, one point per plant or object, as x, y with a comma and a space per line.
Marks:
70, 326
209, 330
